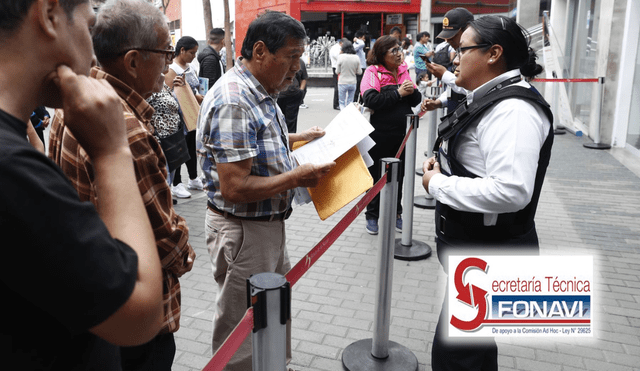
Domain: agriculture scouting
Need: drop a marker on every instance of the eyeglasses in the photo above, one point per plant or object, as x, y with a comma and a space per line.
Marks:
465, 48
168, 53
394, 51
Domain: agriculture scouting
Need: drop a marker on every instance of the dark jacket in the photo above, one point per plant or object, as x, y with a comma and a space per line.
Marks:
210, 66
380, 92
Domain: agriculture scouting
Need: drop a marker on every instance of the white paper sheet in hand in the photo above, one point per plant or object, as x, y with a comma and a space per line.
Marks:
346, 130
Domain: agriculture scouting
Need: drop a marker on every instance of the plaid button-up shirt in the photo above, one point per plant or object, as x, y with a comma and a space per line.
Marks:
170, 229
240, 120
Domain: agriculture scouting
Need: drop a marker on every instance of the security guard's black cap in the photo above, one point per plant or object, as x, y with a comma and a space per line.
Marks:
453, 21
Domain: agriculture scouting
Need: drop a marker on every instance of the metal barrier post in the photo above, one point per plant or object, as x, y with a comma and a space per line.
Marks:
379, 353
596, 131
427, 201
406, 248
270, 296
557, 129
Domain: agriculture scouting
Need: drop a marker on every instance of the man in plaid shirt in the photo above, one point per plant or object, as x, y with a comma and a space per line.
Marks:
244, 150
133, 56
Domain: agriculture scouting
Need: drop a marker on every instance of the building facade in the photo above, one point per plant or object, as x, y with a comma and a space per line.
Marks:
600, 38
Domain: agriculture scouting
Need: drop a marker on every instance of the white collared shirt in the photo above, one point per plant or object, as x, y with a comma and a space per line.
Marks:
503, 150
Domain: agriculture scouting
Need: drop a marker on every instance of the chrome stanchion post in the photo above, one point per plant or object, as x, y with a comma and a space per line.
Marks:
406, 248
388, 212
596, 131
427, 201
270, 296
558, 130
379, 353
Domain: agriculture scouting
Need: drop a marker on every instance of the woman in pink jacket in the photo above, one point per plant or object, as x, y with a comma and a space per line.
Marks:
387, 89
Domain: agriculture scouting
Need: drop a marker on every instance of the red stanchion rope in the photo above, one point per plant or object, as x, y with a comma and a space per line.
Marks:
232, 343
308, 260
565, 80
242, 330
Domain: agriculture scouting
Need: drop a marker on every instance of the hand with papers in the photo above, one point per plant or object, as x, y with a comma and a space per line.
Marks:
345, 141
308, 175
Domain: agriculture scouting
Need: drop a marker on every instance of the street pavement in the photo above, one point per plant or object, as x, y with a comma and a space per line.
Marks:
590, 205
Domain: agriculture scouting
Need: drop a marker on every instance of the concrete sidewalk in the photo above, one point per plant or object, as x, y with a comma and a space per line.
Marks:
590, 204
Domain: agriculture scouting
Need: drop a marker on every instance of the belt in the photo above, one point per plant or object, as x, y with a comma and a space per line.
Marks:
469, 226
265, 218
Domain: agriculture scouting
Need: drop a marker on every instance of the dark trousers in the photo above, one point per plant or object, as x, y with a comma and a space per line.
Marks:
290, 106
451, 354
156, 355
192, 162
336, 104
359, 80
386, 146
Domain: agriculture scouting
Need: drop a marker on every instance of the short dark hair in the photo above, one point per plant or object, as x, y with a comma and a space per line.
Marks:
186, 43
359, 34
380, 48
515, 40
216, 35
273, 28
422, 34
12, 12
395, 29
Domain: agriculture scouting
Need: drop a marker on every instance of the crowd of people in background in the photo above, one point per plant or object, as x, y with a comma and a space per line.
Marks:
113, 248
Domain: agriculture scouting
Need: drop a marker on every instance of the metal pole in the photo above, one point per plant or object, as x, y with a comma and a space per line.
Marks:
270, 296
379, 353
427, 201
388, 208
406, 248
596, 131
409, 165
557, 130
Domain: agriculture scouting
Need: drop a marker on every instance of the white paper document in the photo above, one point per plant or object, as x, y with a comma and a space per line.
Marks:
349, 128
346, 130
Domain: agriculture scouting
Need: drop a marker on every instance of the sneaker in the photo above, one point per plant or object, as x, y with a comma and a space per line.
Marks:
196, 184
399, 224
180, 191
372, 226
304, 106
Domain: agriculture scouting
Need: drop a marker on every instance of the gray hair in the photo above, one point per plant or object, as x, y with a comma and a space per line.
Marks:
122, 25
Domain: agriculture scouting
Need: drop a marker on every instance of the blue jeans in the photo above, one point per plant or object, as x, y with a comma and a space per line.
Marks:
345, 94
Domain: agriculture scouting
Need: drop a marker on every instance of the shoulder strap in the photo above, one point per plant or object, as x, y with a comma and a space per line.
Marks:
464, 114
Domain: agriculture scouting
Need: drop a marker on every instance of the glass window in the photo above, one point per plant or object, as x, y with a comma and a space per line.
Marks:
633, 130
583, 56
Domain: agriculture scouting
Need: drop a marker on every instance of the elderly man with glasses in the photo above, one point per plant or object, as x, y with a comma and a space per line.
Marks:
133, 46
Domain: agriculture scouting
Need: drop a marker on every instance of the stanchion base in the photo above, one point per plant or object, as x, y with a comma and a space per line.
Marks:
424, 203
417, 251
419, 171
357, 357
596, 146
559, 132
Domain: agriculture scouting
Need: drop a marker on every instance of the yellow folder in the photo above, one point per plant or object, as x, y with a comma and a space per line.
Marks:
346, 181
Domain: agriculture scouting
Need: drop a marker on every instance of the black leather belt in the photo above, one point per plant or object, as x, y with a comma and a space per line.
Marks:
265, 218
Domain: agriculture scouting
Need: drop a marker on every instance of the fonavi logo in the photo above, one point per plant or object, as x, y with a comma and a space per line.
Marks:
520, 295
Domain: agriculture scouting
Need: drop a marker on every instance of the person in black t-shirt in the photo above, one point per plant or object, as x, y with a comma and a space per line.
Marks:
79, 281
290, 100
